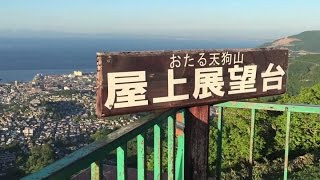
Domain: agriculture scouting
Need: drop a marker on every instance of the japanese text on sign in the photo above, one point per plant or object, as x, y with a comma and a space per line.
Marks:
128, 89
161, 80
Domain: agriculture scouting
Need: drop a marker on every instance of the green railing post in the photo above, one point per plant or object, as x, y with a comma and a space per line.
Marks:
141, 160
157, 151
253, 117
219, 142
121, 162
97, 170
179, 170
286, 155
171, 146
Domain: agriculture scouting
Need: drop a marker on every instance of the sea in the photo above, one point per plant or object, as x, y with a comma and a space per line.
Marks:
24, 57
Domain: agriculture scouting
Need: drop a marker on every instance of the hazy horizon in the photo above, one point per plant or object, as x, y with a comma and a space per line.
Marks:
25, 33
52, 35
229, 19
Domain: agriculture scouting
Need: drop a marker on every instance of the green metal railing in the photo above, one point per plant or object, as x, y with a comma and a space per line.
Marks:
260, 106
93, 154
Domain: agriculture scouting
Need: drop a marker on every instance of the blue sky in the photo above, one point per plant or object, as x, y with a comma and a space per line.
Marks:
227, 18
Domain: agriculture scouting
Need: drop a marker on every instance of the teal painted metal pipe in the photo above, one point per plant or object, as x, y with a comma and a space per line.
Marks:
286, 155
121, 162
171, 146
96, 170
219, 142
251, 147
141, 158
157, 152
179, 169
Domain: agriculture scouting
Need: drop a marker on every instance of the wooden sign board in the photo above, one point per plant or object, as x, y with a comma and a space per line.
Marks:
129, 82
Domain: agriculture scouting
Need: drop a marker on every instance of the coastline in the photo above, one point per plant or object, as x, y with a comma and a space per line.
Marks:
8, 76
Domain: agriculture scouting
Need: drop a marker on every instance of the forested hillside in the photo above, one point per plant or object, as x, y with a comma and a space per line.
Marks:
304, 71
304, 59
309, 41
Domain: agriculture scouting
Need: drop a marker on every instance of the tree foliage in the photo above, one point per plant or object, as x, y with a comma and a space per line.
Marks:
304, 127
304, 71
236, 137
101, 134
40, 156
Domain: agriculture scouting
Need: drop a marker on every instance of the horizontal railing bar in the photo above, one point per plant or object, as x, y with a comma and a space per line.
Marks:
82, 158
303, 108
250, 105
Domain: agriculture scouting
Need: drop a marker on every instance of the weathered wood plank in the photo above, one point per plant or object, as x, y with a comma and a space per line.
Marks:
154, 68
197, 143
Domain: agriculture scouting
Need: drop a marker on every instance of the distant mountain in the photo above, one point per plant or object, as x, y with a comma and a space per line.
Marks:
304, 61
307, 42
